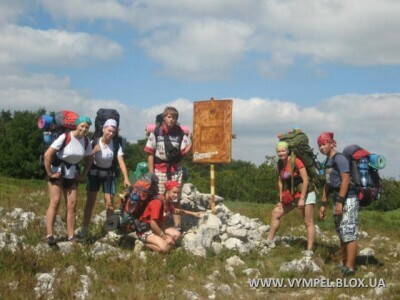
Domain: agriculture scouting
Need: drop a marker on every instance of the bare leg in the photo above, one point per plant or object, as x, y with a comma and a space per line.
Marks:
351, 253
173, 233
308, 214
54, 191
71, 205
90, 202
343, 252
156, 243
278, 211
108, 199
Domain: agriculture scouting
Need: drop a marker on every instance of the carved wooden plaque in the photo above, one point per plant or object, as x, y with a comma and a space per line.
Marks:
212, 131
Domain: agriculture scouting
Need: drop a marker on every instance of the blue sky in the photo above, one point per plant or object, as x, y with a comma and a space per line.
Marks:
329, 65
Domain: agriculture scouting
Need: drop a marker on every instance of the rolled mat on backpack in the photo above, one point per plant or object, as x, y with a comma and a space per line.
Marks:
377, 161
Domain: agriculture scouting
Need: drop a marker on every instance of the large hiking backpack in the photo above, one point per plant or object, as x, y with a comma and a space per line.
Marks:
133, 203
173, 154
103, 114
364, 173
299, 147
55, 124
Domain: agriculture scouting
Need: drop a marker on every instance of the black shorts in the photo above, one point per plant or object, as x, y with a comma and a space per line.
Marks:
65, 183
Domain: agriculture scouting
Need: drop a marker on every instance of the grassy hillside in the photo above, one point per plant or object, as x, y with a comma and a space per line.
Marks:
180, 275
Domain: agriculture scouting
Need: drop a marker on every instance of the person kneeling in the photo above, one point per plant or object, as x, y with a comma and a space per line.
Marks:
161, 238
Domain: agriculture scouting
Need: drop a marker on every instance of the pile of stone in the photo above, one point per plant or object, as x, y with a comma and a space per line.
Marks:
222, 230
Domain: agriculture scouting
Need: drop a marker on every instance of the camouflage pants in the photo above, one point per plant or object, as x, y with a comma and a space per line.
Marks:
162, 178
346, 225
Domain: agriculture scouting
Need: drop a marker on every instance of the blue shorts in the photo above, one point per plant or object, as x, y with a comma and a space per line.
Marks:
346, 225
108, 183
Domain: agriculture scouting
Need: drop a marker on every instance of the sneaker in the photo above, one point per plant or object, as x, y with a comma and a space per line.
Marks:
270, 244
51, 241
81, 235
347, 271
307, 253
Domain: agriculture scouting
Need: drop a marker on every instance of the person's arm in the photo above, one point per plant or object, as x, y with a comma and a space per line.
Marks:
197, 214
341, 197
158, 231
150, 149
280, 187
324, 202
48, 157
304, 188
122, 166
150, 163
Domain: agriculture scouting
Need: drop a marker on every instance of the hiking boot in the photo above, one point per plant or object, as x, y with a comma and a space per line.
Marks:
51, 241
82, 235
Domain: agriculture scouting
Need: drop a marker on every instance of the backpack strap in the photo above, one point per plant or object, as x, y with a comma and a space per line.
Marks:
292, 167
66, 141
116, 144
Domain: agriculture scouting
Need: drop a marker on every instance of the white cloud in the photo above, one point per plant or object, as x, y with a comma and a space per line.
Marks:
367, 120
25, 45
205, 49
181, 34
11, 9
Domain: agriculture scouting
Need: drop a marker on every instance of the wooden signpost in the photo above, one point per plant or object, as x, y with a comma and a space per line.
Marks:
212, 136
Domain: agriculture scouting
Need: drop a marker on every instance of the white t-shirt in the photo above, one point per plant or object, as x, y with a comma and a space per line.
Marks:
72, 153
104, 158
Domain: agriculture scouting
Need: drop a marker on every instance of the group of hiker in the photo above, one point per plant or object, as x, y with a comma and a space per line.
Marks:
152, 199
150, 206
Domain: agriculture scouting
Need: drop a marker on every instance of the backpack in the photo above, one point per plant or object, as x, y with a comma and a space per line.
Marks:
299, 147
54, 125
102, 115
173, 154
134, 201
364, 175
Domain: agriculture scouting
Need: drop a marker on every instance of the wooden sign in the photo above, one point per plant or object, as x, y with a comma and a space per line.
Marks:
212, 131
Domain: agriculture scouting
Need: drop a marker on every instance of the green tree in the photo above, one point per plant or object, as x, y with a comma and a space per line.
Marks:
20, 144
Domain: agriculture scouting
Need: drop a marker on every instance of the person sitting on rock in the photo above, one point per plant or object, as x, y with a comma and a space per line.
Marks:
161, 238
293, 187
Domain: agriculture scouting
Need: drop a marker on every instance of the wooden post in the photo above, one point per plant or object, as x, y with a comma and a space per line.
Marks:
212, 189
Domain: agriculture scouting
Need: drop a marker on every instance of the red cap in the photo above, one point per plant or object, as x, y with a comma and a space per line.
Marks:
170, 184
325, 137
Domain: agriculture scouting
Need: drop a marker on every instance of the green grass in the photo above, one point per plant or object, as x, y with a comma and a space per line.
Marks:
135, 279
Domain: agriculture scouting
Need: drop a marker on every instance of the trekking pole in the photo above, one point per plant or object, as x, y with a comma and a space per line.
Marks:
212, 183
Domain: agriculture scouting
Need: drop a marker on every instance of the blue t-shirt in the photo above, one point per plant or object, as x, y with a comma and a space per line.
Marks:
335, 166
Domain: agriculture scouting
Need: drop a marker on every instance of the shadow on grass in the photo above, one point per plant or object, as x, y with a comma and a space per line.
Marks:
368, 260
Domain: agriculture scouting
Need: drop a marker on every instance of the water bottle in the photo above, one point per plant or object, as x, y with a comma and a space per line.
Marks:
47, 138
363, 169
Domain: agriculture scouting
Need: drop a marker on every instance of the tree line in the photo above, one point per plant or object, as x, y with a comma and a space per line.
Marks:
21, 146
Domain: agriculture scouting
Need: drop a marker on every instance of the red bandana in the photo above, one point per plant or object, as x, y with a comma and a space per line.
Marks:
170, 184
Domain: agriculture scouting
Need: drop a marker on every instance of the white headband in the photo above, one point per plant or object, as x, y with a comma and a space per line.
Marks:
110, 122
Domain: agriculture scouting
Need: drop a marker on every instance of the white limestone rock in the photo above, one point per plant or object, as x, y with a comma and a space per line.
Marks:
300, 265
367, 252
235, 261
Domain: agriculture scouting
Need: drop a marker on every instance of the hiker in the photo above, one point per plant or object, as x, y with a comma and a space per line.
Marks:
166, 145
103, 173
159, 237
344, 196
293, 185
61, 164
